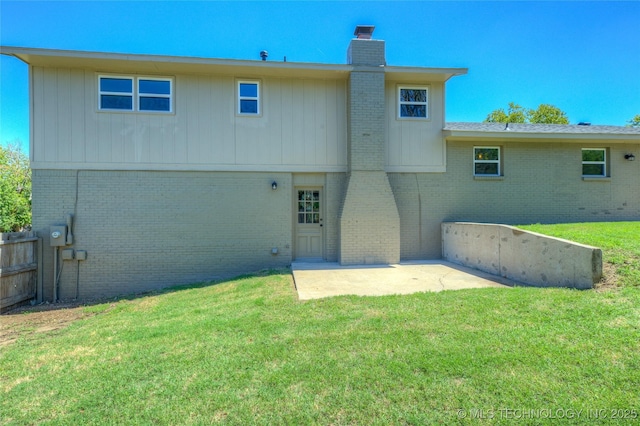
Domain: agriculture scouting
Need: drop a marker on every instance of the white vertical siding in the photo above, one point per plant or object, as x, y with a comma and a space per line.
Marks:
415, 145
78, 104
302, 126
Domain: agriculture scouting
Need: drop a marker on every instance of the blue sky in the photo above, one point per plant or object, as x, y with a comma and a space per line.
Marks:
580, 56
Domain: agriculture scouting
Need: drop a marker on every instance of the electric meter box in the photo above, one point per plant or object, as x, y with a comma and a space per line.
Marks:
57, 236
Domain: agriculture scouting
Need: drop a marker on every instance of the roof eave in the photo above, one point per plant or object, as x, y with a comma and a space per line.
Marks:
124, 62
418, 74
171, 64
462, 135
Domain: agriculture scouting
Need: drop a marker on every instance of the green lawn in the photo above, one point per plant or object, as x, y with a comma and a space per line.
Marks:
619, 241
247, 351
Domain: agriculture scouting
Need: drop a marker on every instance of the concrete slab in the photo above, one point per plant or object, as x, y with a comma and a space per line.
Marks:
318, 280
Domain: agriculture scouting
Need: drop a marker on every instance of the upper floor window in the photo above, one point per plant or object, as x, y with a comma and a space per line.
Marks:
486, 161
248, 97
594, 162
144, 94
154, 94
413, 102
116, 93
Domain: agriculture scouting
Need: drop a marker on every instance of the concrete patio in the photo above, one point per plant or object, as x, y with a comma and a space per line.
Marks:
318, 280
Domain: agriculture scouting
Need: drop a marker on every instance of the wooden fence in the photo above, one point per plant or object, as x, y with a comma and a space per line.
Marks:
18, 268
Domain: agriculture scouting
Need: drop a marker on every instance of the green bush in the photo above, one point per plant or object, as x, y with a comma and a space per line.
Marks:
15, 189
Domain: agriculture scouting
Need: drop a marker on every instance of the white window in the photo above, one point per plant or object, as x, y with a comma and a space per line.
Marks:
116, 93
486, 161
142, 94
154, 94
248, 97
594, 162
413, 102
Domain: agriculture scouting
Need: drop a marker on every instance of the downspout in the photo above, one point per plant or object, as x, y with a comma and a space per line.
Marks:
40, 272
55, 274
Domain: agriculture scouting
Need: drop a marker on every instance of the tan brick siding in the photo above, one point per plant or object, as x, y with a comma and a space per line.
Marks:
369, 222
333, 193
147, 230
366, 52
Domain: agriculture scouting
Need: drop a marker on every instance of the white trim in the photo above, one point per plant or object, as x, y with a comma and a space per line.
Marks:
498, 161
47, 165
400, 103
416, 169
475, 136
257, 98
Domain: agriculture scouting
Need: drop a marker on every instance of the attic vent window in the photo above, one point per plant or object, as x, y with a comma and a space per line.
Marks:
135, 94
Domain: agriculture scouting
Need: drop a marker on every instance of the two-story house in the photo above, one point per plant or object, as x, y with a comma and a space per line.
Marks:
156, 170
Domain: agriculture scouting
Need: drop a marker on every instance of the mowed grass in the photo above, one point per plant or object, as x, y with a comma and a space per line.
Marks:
247, 351
619, 241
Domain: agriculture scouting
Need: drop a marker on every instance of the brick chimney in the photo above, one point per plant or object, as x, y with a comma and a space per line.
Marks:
369, 220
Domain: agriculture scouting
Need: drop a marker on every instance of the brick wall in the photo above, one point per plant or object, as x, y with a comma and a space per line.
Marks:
542, 183
147, 230
369, 221
335, 185
366, 52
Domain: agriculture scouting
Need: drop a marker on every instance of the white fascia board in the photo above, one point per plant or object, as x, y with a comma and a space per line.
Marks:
461, 135
280, 168
417, 74
172, 64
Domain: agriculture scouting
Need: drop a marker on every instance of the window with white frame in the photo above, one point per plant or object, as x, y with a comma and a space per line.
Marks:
413, 102
138, 94
116, 93
248, 97
154, 94
486, 161
594, 162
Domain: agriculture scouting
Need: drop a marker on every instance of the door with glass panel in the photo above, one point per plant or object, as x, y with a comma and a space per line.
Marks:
308, 226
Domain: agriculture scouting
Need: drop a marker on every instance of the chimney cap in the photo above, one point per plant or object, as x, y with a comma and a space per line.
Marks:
364, 31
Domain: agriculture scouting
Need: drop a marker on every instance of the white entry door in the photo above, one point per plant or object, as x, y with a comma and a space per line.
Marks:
308, 227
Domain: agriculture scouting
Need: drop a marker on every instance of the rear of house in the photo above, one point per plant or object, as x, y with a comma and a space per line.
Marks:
174, 170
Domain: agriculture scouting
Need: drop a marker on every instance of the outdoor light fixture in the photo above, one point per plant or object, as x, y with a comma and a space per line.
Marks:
274, 185
629, 157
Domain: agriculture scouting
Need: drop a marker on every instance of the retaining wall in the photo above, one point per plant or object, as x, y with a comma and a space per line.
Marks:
522, 256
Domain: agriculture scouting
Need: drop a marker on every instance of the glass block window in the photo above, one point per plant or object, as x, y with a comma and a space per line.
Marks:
594, 162
486, 161
116, 93
135, 94
413, 102
308, 206
248, 97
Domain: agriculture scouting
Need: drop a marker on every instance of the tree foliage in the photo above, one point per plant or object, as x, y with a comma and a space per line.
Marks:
635, 121
548, 114
515, 114
15, 189
544, 114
